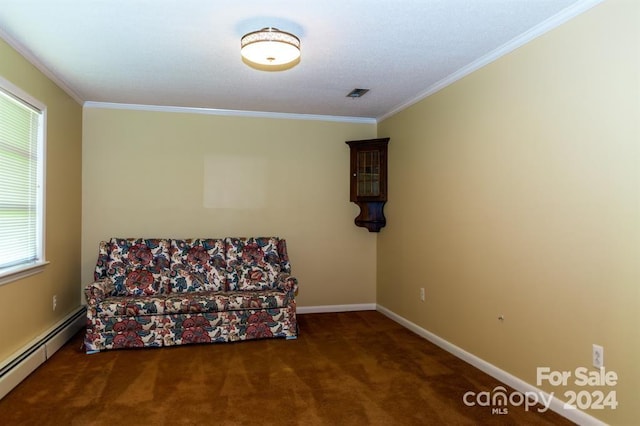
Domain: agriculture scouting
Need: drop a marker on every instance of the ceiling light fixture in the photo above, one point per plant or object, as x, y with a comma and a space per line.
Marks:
270, 47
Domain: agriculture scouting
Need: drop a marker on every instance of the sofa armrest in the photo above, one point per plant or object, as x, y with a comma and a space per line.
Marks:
288, 283
98, 291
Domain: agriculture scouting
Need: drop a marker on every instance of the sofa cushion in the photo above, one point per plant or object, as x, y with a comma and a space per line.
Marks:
252, 251
224, 301
129, 306
197, 265
253, 263
252, 277
196, 302
140, 282
138, 267
268, 299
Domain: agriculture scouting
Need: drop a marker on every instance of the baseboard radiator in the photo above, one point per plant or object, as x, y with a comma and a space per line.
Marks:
26, 360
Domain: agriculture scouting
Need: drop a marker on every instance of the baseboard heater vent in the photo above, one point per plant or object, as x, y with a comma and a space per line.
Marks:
25, 361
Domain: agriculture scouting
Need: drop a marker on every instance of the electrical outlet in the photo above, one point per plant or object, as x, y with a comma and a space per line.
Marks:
598, 356
422, 294
55, 302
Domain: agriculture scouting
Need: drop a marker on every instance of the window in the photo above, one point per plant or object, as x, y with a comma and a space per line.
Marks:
22, 121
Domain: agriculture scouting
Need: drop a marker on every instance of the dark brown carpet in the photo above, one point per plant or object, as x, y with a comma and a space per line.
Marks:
356, 368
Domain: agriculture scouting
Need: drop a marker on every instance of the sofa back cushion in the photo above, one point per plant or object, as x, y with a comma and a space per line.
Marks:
253, 263
138, 267
197, 265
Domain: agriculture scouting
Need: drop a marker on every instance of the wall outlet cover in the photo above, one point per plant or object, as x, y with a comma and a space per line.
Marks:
598, 356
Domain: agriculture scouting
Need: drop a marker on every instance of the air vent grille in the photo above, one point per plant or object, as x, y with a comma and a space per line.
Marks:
357, 93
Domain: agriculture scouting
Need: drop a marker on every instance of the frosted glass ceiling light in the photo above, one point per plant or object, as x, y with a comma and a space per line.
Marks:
270, 47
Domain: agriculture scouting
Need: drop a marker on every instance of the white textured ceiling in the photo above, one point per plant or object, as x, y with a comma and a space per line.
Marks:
187, 53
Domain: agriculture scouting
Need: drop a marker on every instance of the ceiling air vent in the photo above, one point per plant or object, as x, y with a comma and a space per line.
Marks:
357, 93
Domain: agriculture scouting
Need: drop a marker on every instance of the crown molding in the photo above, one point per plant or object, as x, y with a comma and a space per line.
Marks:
31, 58
551, 23
228, 112
524, 38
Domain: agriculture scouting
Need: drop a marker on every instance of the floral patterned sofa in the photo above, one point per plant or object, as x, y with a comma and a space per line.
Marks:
165, 292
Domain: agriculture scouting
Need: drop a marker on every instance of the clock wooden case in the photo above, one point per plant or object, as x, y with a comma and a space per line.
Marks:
368, 181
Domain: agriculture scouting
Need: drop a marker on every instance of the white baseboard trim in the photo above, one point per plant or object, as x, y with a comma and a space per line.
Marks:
575, 415
335, 308
23, 362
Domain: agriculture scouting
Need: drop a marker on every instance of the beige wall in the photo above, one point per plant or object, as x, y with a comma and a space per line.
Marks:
144, 175
26, 308
516, 191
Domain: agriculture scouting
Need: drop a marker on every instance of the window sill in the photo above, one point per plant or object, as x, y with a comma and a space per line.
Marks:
23, 271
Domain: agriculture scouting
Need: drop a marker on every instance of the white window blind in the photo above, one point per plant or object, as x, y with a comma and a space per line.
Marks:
21, 167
